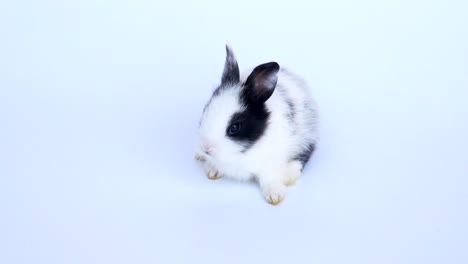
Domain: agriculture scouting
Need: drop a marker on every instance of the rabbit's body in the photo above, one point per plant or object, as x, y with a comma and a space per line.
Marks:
261, 126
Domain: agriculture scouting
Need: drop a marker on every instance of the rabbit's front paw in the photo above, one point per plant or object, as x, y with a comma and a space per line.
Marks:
211, 172
274, 194
199, 157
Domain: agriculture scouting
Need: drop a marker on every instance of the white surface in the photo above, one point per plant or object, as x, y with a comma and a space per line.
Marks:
99, 101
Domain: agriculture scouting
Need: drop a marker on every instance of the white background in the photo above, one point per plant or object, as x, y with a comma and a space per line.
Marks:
100, 100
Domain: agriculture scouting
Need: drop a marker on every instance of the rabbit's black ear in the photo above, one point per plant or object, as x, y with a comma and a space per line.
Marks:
231, 69
261, 83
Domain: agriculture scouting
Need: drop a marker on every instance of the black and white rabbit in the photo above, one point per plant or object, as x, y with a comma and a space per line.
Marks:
262, 126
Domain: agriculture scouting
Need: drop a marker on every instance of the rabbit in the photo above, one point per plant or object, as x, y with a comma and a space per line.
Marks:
261, 126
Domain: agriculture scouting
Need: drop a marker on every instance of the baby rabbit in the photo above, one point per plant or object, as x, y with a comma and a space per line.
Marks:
261, 126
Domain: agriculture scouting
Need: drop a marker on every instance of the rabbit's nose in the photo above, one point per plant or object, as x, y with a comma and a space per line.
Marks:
208, 149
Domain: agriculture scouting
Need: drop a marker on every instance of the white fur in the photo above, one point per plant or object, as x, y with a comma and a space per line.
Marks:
268, 160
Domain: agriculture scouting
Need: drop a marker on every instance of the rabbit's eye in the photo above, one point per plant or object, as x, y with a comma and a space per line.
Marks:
234, 128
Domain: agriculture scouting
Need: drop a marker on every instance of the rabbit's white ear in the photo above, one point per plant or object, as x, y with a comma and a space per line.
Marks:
231, 69
261, 83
